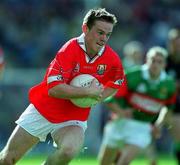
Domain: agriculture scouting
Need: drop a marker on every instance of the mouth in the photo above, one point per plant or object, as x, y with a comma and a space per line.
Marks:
100, 44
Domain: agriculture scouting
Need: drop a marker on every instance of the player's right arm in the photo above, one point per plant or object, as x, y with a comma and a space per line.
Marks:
67, 91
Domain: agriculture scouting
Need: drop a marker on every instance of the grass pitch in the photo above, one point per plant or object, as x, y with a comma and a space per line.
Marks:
37, 160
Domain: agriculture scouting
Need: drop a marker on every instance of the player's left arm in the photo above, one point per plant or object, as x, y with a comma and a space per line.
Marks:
157, 126
108, 91
116, 79
112, 87
166, 112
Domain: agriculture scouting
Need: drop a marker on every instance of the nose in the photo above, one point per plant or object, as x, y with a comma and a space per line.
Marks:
104, 37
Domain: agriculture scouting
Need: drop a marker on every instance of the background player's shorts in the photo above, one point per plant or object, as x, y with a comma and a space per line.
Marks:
127, 131
34, 123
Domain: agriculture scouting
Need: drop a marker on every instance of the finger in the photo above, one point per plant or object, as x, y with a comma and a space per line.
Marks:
96, 82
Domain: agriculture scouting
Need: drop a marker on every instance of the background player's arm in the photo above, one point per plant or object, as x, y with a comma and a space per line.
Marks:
162, 120
162, 117
119, 111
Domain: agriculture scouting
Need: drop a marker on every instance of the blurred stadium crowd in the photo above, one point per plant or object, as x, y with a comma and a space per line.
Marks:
32, 31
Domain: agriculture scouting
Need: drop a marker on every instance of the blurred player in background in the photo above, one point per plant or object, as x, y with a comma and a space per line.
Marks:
50, 109
173, 66
140, 115
133, 54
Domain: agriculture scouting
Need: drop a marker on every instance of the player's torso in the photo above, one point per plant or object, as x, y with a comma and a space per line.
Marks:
146, 96
100, 66
71, 61
157, 90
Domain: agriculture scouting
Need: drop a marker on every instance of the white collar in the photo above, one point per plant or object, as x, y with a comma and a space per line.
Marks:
146, 75
81, 43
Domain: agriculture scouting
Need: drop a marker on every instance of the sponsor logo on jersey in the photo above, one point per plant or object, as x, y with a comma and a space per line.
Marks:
145, 103
88, 67
86, 84
101, 69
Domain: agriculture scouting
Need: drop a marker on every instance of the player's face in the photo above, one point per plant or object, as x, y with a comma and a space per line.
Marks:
156, 64
97, 36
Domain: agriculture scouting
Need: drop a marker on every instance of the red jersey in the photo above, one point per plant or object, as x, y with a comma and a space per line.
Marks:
70, 61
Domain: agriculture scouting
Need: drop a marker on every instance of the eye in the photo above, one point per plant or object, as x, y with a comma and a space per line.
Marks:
108, 35
100, 33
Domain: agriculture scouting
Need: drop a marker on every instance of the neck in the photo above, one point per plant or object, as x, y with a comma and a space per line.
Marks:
89, 51
154, 76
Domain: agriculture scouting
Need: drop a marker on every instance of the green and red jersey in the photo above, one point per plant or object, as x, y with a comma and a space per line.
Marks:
146, 96
70, 61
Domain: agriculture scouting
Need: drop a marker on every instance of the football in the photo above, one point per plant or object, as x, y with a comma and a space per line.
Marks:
83, 80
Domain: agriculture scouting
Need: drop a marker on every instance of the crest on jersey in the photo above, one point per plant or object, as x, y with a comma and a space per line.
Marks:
101, 69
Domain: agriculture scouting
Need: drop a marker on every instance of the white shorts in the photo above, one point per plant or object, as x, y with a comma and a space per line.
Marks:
127, 131
34, 123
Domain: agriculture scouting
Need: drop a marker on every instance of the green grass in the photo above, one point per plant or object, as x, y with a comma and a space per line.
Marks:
37, 160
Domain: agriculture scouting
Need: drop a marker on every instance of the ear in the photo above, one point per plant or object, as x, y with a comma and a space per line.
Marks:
85, 28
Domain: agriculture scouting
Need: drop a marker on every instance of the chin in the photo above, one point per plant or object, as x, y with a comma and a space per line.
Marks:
98, 49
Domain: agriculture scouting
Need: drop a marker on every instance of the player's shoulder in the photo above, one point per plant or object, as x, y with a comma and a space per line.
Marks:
70, 45
169, 82
134, 69
170, 78
111, 55
110, 51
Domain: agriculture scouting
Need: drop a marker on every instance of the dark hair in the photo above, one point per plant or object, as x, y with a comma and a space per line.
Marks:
98, 14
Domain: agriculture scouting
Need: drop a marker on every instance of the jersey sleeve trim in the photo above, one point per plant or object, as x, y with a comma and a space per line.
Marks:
51, 79
117, 84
